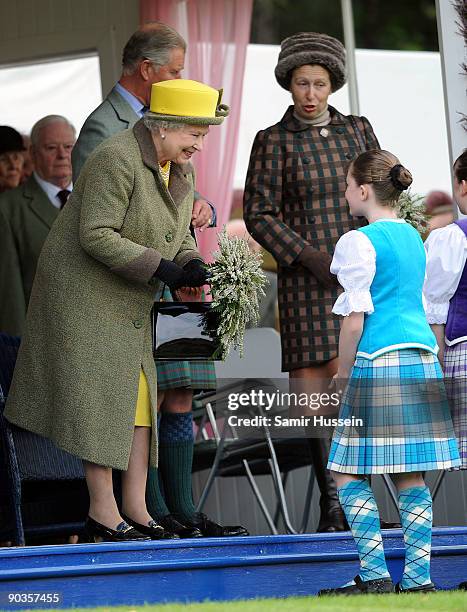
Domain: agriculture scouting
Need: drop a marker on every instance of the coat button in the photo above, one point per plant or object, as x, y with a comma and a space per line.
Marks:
138, 323
300, 135
169, 237
340, 130
349, 155
306, 160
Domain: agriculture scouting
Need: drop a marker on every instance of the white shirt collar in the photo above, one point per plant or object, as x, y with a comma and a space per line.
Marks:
51, 190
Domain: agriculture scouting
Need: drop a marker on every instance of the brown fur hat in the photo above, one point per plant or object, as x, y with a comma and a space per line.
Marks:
311, 48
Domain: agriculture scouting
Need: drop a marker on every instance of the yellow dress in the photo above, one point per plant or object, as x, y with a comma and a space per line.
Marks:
143, 402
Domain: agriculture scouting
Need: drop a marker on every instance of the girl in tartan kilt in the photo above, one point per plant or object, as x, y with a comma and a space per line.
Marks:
446, 296
395, 399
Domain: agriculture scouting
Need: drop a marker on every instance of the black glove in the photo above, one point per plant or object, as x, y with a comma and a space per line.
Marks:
318, 263
196, 274
171, 274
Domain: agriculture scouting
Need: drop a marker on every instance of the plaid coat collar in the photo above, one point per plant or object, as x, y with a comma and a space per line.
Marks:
292, 124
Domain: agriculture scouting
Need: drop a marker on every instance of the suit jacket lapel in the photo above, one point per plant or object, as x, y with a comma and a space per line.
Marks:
39, 203
122, 109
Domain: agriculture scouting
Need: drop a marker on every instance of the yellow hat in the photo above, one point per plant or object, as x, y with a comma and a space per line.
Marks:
187, 101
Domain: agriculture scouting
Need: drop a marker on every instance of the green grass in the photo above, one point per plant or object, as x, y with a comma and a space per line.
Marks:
453, 600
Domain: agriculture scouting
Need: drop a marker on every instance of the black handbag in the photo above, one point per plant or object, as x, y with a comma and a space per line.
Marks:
185, 331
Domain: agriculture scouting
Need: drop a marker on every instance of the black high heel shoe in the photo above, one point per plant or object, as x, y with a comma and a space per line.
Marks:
100, 533
152, 529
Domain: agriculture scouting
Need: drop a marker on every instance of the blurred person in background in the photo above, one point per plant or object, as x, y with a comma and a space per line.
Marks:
439, 208
28, 212
28, 166
11, 158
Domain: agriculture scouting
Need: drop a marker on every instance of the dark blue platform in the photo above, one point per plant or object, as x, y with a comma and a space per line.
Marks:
216, 569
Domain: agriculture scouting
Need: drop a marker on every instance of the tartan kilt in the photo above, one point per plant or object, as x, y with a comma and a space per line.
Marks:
455, 377
185, 374
401, 400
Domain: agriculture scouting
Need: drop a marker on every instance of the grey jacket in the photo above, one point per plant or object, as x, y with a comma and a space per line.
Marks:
112, 116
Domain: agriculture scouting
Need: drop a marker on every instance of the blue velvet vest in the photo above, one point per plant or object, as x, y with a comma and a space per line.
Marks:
456, 325
399, 319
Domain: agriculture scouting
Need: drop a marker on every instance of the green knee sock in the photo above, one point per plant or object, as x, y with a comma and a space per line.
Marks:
175, 462
155, 501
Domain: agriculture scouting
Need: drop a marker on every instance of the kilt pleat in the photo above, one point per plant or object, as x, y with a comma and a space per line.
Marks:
185, 374
406, 423
455, 376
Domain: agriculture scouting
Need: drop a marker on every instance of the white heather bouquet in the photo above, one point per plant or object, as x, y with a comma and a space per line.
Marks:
237, 281
411, 208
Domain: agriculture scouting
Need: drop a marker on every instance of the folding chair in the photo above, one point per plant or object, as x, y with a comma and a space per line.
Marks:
42, 488
229, 455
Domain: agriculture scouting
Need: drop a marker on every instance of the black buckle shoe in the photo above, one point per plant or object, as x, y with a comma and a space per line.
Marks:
210, 529
362, 587
100, 533
424, 588
152, 529
171, 524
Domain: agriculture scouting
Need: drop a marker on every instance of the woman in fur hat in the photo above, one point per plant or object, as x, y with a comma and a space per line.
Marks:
294, 206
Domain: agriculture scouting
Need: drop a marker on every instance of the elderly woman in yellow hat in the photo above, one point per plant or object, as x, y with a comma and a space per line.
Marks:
85, 375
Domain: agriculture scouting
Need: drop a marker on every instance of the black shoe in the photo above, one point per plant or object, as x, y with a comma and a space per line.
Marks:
170, 523
362, 587
425, 588
210, 529
152, 529
100, 533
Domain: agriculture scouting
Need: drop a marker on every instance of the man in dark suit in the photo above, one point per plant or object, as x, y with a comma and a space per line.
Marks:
154, 53
27, 214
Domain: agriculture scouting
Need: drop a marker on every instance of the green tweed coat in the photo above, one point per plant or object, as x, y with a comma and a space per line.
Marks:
88, 330
26, 216
294, 197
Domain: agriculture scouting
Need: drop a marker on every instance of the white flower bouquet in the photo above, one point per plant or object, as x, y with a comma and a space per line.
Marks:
411, 208
237, 282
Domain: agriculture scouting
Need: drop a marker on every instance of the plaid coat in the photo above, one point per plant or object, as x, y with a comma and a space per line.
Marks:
294, 197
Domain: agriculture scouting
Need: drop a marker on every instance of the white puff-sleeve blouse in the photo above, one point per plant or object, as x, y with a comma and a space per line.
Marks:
354, 263
446, 250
